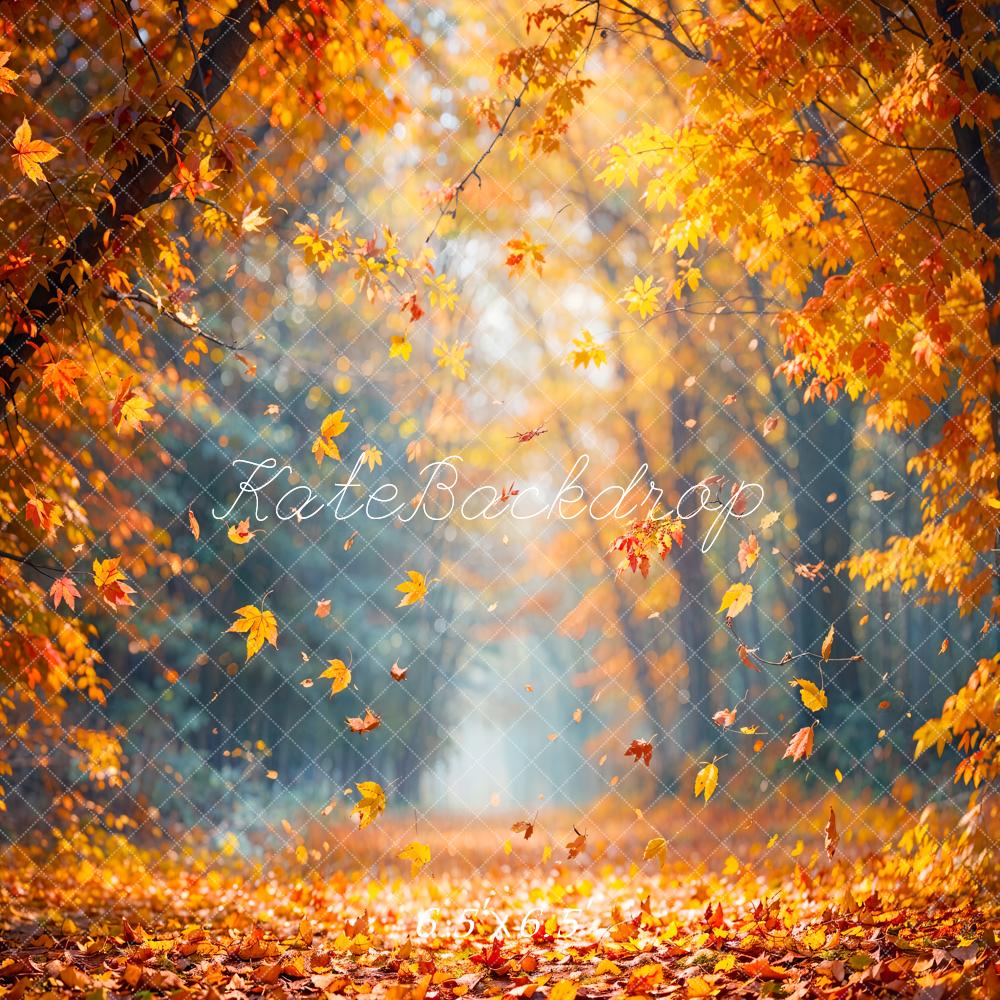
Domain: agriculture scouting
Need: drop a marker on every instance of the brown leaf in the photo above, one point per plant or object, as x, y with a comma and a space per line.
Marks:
745, 657
577, 844
832, 837
523, 826
367, 724
827, 647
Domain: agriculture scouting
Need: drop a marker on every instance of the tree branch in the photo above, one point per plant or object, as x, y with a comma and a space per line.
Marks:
223, 49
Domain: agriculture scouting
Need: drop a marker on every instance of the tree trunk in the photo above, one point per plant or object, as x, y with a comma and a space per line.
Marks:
984, 204
693, 616
825, 450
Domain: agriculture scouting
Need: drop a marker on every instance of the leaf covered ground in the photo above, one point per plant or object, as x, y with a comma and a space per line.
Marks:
906, 911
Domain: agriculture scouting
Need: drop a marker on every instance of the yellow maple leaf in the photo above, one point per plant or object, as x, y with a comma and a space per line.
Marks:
586, 351
656, 848
371, 805
253, 221
452, 357
325, 448
736, 599
417, 854
400, 347
260, 626
642, 297
6, 75
30, 153
334, 424
413, 590
339, 673
706, 781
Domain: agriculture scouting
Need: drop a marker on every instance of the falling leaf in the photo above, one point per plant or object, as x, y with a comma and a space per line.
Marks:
417, 854
641, 750
398, 673
260, 626
725, 717
240, 533
324, 446
525, 827
577, 844
194, 525
339, 674
365, 724
413, 590
371, 805
524, 436
832, 837
801, 744
877, 496
656, 849
770, 424
323, 607
706, 780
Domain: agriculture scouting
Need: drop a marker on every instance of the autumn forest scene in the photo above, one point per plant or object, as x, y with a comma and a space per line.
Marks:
500, 500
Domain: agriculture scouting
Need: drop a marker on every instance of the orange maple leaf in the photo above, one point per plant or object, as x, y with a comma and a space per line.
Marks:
801, 744
64, 589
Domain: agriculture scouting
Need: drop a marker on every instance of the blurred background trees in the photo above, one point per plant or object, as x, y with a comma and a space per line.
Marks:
534, 662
